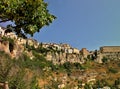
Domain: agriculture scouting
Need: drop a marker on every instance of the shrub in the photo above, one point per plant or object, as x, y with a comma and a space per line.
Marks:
112, 70
104, 59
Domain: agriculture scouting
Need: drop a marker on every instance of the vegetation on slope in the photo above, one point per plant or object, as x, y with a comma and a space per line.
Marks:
36, 73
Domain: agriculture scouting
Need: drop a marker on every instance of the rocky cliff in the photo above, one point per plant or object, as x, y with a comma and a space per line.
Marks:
11, 47
4, 46
15, 49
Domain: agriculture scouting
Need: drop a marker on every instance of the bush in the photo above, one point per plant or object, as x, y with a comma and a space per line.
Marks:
104, 60
112, 70
78, 66
118, 64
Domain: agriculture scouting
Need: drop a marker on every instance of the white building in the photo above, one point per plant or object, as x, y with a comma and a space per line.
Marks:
75, 50
70, 50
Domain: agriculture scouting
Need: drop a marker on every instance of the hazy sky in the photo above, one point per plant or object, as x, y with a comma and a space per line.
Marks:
83, 23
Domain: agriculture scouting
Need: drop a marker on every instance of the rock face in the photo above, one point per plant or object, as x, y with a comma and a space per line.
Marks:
63, 52
13, 50
17, 50
4, 46
57, 57
60, 58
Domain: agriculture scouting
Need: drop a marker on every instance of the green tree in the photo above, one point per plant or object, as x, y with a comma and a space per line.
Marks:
105, 60
28, 16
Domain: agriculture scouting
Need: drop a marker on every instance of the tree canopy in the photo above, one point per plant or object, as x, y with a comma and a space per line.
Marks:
28, 16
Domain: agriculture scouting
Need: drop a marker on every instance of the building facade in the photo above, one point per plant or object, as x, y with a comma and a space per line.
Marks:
111, 52
84, 52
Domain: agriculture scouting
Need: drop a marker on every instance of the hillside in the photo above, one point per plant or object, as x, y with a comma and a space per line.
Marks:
27, 66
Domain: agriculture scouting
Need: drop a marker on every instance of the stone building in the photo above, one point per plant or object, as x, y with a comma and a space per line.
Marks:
110, 49
84, 52
75, 50
99, 57
111, 52
70, 50
21, 41
32, 42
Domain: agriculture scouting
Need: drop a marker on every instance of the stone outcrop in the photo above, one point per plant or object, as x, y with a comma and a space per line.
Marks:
17, 50
14, 50
4, 85
60, 58
4, 46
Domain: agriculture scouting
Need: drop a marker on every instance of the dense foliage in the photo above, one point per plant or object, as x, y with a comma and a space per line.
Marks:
28, 16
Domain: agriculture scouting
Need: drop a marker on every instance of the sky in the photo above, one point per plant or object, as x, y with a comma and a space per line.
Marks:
83, 23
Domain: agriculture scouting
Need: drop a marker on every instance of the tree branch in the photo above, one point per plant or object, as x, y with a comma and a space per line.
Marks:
4, 20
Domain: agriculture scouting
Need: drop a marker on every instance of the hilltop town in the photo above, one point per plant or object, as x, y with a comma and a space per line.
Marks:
74, 54
81, 66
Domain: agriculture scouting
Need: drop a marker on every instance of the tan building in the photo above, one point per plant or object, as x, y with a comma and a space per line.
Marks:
85, 52
110, 49
22, 41
57, 46
65, 46
75, 50
111, 52
45, 45
32, 42
70, 50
